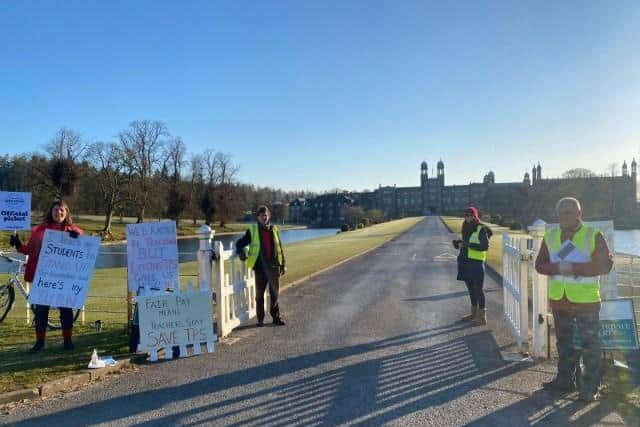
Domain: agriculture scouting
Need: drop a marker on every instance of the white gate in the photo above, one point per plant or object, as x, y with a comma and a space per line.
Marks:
235, 290
519, 277
515, 277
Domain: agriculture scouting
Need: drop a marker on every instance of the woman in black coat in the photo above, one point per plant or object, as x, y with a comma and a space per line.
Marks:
471, 260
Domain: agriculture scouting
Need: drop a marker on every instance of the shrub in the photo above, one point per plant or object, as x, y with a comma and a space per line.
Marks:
497, 219
515, 225
366, 222
344, 227
359, 226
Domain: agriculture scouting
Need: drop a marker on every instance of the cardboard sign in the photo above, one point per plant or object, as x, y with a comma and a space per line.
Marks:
169, 319
152, 255
15, 211
64, 269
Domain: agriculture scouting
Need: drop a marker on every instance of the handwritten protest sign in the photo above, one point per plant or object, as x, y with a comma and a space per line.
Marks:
15, 211
64, 269
170, 319
152, 255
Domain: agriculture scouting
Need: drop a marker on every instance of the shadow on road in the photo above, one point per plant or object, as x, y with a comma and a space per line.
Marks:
366, 384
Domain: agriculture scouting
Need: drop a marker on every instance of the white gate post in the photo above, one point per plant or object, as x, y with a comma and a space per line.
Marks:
540, 307
205, 252
523, 341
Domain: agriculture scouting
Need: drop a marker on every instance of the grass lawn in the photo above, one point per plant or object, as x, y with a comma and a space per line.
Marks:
107, 302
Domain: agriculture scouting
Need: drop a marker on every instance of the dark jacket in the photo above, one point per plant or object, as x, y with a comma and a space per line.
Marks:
471, 269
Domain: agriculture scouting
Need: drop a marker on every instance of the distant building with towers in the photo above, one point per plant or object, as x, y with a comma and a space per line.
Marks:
533, 197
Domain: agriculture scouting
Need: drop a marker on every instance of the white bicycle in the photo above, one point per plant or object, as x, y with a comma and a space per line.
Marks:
8, 291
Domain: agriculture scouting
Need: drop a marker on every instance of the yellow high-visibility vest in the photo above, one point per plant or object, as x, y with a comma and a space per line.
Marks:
254, 246
474, 253
577, 289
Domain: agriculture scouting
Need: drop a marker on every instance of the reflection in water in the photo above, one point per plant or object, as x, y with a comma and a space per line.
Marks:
115, 255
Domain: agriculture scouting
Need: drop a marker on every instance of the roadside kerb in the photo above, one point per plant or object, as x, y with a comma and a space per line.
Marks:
63, 384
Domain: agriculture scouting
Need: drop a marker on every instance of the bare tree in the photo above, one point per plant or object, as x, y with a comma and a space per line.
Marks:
579, 173
142, 144
108, 163
612, 169
64, 149
176, 196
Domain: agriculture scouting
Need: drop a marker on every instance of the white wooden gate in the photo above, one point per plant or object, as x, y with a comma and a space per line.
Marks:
515, 277
235, 290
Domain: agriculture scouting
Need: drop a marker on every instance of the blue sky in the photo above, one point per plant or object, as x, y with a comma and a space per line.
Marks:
348, 94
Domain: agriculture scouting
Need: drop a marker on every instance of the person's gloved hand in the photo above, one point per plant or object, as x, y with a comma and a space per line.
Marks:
15, 241
242, 255
565, 268
282, 269
456, 244
74, 234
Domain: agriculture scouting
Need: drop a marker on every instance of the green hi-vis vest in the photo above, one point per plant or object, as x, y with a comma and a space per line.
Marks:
473, 253
577, 289
254, 246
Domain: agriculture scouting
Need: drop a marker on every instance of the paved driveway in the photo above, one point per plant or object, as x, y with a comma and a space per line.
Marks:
375, 341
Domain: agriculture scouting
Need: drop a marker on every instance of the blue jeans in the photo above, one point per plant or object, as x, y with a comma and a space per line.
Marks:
588, 324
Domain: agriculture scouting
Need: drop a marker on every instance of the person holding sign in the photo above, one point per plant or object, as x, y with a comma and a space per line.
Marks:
266, 257
58, 218
574, 255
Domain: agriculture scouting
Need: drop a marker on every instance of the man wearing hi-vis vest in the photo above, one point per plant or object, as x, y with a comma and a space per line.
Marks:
574, 255
266, 257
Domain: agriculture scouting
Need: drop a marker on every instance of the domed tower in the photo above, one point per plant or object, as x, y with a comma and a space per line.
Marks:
534, 174
424, 174
441, 172
633, 168
539, 171
527, 179
625, 170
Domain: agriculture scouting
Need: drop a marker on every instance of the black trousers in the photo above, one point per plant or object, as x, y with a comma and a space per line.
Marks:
476, 292
42, 317
267, 277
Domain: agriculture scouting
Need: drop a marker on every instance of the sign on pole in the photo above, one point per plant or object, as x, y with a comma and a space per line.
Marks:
618, 325
64, 269
15, 211
152, 255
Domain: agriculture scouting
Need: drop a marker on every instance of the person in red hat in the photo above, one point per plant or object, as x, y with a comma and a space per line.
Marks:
471, 260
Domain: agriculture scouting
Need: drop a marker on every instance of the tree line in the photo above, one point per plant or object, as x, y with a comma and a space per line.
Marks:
145, 172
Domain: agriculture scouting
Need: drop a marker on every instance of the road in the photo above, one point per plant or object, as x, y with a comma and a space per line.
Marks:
375, 341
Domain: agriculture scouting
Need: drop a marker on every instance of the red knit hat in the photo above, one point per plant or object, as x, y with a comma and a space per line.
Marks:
473, 212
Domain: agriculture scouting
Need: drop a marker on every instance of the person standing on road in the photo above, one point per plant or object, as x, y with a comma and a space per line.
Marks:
574, 255
473, 254
58, 218
266, 257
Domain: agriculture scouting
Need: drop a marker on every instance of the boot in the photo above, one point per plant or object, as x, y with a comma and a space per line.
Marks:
39, 345
481, 317
471, 316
